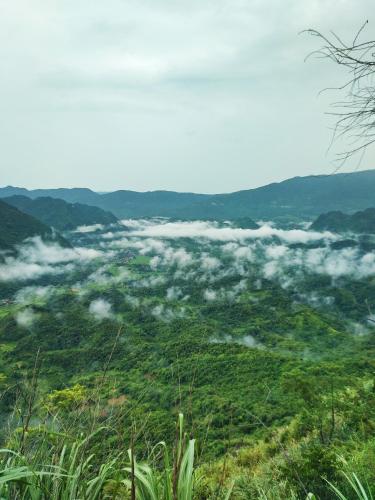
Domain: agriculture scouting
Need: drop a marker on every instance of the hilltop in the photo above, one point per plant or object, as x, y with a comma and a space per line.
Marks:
61, 214
16, 226
359, 222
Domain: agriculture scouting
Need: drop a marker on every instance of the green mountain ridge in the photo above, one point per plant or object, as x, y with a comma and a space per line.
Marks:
60, 214
336, 221
16, 226
302, 197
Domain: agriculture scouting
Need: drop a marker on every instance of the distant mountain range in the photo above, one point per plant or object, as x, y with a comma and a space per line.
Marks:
15, 227
60, 214
338, 222
301, 197
121, 203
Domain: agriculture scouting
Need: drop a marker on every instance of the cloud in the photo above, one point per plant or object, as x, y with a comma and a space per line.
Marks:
167, 314
104, 277
132, 301
31, 293
240, 287
36, 258
220, 263
36, 250
101, 309
26, 318
16, 270
209, 295
223, 294
163, 254
212, 231
174, 293
150, 282
247, 341
209, 263
221, 251
89, 229
322, 260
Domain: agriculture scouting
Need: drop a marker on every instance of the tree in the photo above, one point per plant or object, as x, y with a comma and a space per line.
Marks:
355, 115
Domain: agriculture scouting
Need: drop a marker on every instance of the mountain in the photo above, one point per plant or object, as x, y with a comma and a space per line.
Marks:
150, 204
74, 195
122, 203
15, 226
302, 197
359, 222
244, 223
60, 214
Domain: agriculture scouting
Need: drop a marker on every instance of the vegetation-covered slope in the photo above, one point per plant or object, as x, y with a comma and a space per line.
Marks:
16, 226
59, 213
359, 222
262, 338
297, 197
122, 203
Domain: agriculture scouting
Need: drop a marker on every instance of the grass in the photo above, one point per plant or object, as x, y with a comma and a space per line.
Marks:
64, 471
66, 474
175, 480
358, 490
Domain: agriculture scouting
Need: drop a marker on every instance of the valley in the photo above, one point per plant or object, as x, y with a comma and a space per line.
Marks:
246, 331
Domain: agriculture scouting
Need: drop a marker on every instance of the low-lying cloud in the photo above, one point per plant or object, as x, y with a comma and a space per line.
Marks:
36, 258
201, 261
26, 318
101, 309
214, 232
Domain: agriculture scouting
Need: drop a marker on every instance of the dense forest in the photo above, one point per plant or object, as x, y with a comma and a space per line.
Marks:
17, 226
261, 336
60, 214
360, 222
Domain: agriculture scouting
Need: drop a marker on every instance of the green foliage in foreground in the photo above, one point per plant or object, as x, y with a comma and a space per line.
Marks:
62, 471
358, 490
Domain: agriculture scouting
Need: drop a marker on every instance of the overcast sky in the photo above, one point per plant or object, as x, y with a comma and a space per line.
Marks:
189, 95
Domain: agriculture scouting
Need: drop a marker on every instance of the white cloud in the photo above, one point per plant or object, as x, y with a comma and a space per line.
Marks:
212, 231
174, 293
209, 295
89, 229
100, 309
31, 293
132, 301
167, 314
209, 263
247, 341
36, 258
26, 318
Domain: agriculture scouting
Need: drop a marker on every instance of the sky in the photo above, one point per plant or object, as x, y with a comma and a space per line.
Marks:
187, 95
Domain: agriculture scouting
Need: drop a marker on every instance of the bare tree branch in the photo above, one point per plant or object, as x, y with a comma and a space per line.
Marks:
355, 118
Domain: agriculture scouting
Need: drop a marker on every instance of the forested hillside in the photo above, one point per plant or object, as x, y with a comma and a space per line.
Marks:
16, 226
300, 197
359, 222
262, 337
59, 213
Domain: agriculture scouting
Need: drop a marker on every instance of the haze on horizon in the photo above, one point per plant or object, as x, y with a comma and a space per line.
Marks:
201, 95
